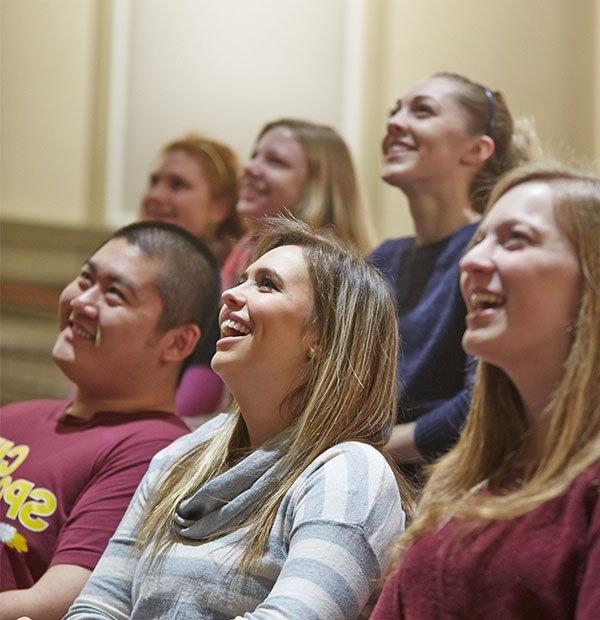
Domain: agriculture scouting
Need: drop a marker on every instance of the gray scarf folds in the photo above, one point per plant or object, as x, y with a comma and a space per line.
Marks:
222, 502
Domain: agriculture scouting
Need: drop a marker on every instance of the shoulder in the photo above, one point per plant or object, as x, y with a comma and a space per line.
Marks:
353, 454
352, 477
458, 241
391, 257
359, 466
390, 250
143, 433
585, 490
33, 407
350, 486
187, 442
21, 419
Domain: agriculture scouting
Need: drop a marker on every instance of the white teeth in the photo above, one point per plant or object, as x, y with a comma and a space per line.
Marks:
231, 324
82, 333
399, 148
254, 186
479, 299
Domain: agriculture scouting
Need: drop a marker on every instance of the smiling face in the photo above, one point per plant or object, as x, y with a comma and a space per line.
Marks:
275, 177
179, 193
264, 322
108, 319
427, 135
521, 282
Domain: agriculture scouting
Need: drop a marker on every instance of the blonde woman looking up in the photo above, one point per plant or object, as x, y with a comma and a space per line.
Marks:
285, 506
509, 522
195, 186
305, 169
447, 141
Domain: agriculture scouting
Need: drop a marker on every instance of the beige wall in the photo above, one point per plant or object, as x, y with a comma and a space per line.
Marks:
92, 88
47, 51
539, 53
224, 68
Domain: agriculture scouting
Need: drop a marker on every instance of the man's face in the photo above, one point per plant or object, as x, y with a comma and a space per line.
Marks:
108, 317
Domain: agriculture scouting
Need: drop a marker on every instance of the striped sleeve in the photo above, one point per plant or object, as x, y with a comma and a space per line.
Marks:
345, 512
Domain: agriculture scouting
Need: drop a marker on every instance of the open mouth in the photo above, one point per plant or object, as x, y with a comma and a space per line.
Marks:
81, 332
231, 328
396, 148
251, 190
399, 147
484, 300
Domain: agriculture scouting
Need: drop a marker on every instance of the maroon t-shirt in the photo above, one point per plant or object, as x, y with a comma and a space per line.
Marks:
545, 564
65, 483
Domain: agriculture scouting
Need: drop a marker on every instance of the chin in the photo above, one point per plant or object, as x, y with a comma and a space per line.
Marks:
62, 352
485, 349
396, 178
66, 364
219, 364
476, 344
247, 209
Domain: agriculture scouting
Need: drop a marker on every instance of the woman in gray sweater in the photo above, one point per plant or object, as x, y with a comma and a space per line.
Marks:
285, 506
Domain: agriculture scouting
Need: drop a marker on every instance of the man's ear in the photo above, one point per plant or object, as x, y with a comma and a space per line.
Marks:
480, 151
179, 342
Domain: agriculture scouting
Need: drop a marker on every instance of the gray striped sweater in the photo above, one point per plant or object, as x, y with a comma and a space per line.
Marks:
324, 556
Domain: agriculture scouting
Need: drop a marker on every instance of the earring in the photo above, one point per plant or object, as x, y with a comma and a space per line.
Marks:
311, 352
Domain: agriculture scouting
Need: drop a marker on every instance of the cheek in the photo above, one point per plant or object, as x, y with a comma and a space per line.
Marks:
294, 191
462, 283
64, 303
192, 214
567, 296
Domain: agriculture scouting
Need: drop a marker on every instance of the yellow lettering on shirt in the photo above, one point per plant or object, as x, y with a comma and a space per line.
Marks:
11, 456
41, 504
15, 495
24, 502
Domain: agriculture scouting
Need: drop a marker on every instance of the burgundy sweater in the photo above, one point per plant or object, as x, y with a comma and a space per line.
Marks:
545, 564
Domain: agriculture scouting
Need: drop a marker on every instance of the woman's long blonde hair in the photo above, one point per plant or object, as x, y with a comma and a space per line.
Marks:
493, 439
331, 196
349, 393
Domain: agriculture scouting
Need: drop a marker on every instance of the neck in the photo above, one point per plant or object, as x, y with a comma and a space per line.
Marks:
536, 380
437, 213
85, 405
266, 415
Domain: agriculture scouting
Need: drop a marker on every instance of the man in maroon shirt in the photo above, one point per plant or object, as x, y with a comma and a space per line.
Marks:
68, 469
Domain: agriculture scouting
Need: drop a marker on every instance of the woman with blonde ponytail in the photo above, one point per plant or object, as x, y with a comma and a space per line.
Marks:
447, 141
286, 506
509, 523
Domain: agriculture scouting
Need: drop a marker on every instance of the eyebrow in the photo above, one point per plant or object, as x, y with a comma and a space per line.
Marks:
415, 99
119, 279
265, 271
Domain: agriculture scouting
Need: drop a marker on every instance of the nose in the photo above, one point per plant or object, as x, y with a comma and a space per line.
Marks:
396, 123
233, 297
155, 193
252, 167
478, 259
86, 302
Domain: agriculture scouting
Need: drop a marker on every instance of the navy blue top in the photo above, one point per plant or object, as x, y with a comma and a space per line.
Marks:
435, 375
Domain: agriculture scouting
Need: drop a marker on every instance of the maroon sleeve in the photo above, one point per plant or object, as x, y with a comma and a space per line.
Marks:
588, 599
105, 498
389, 605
